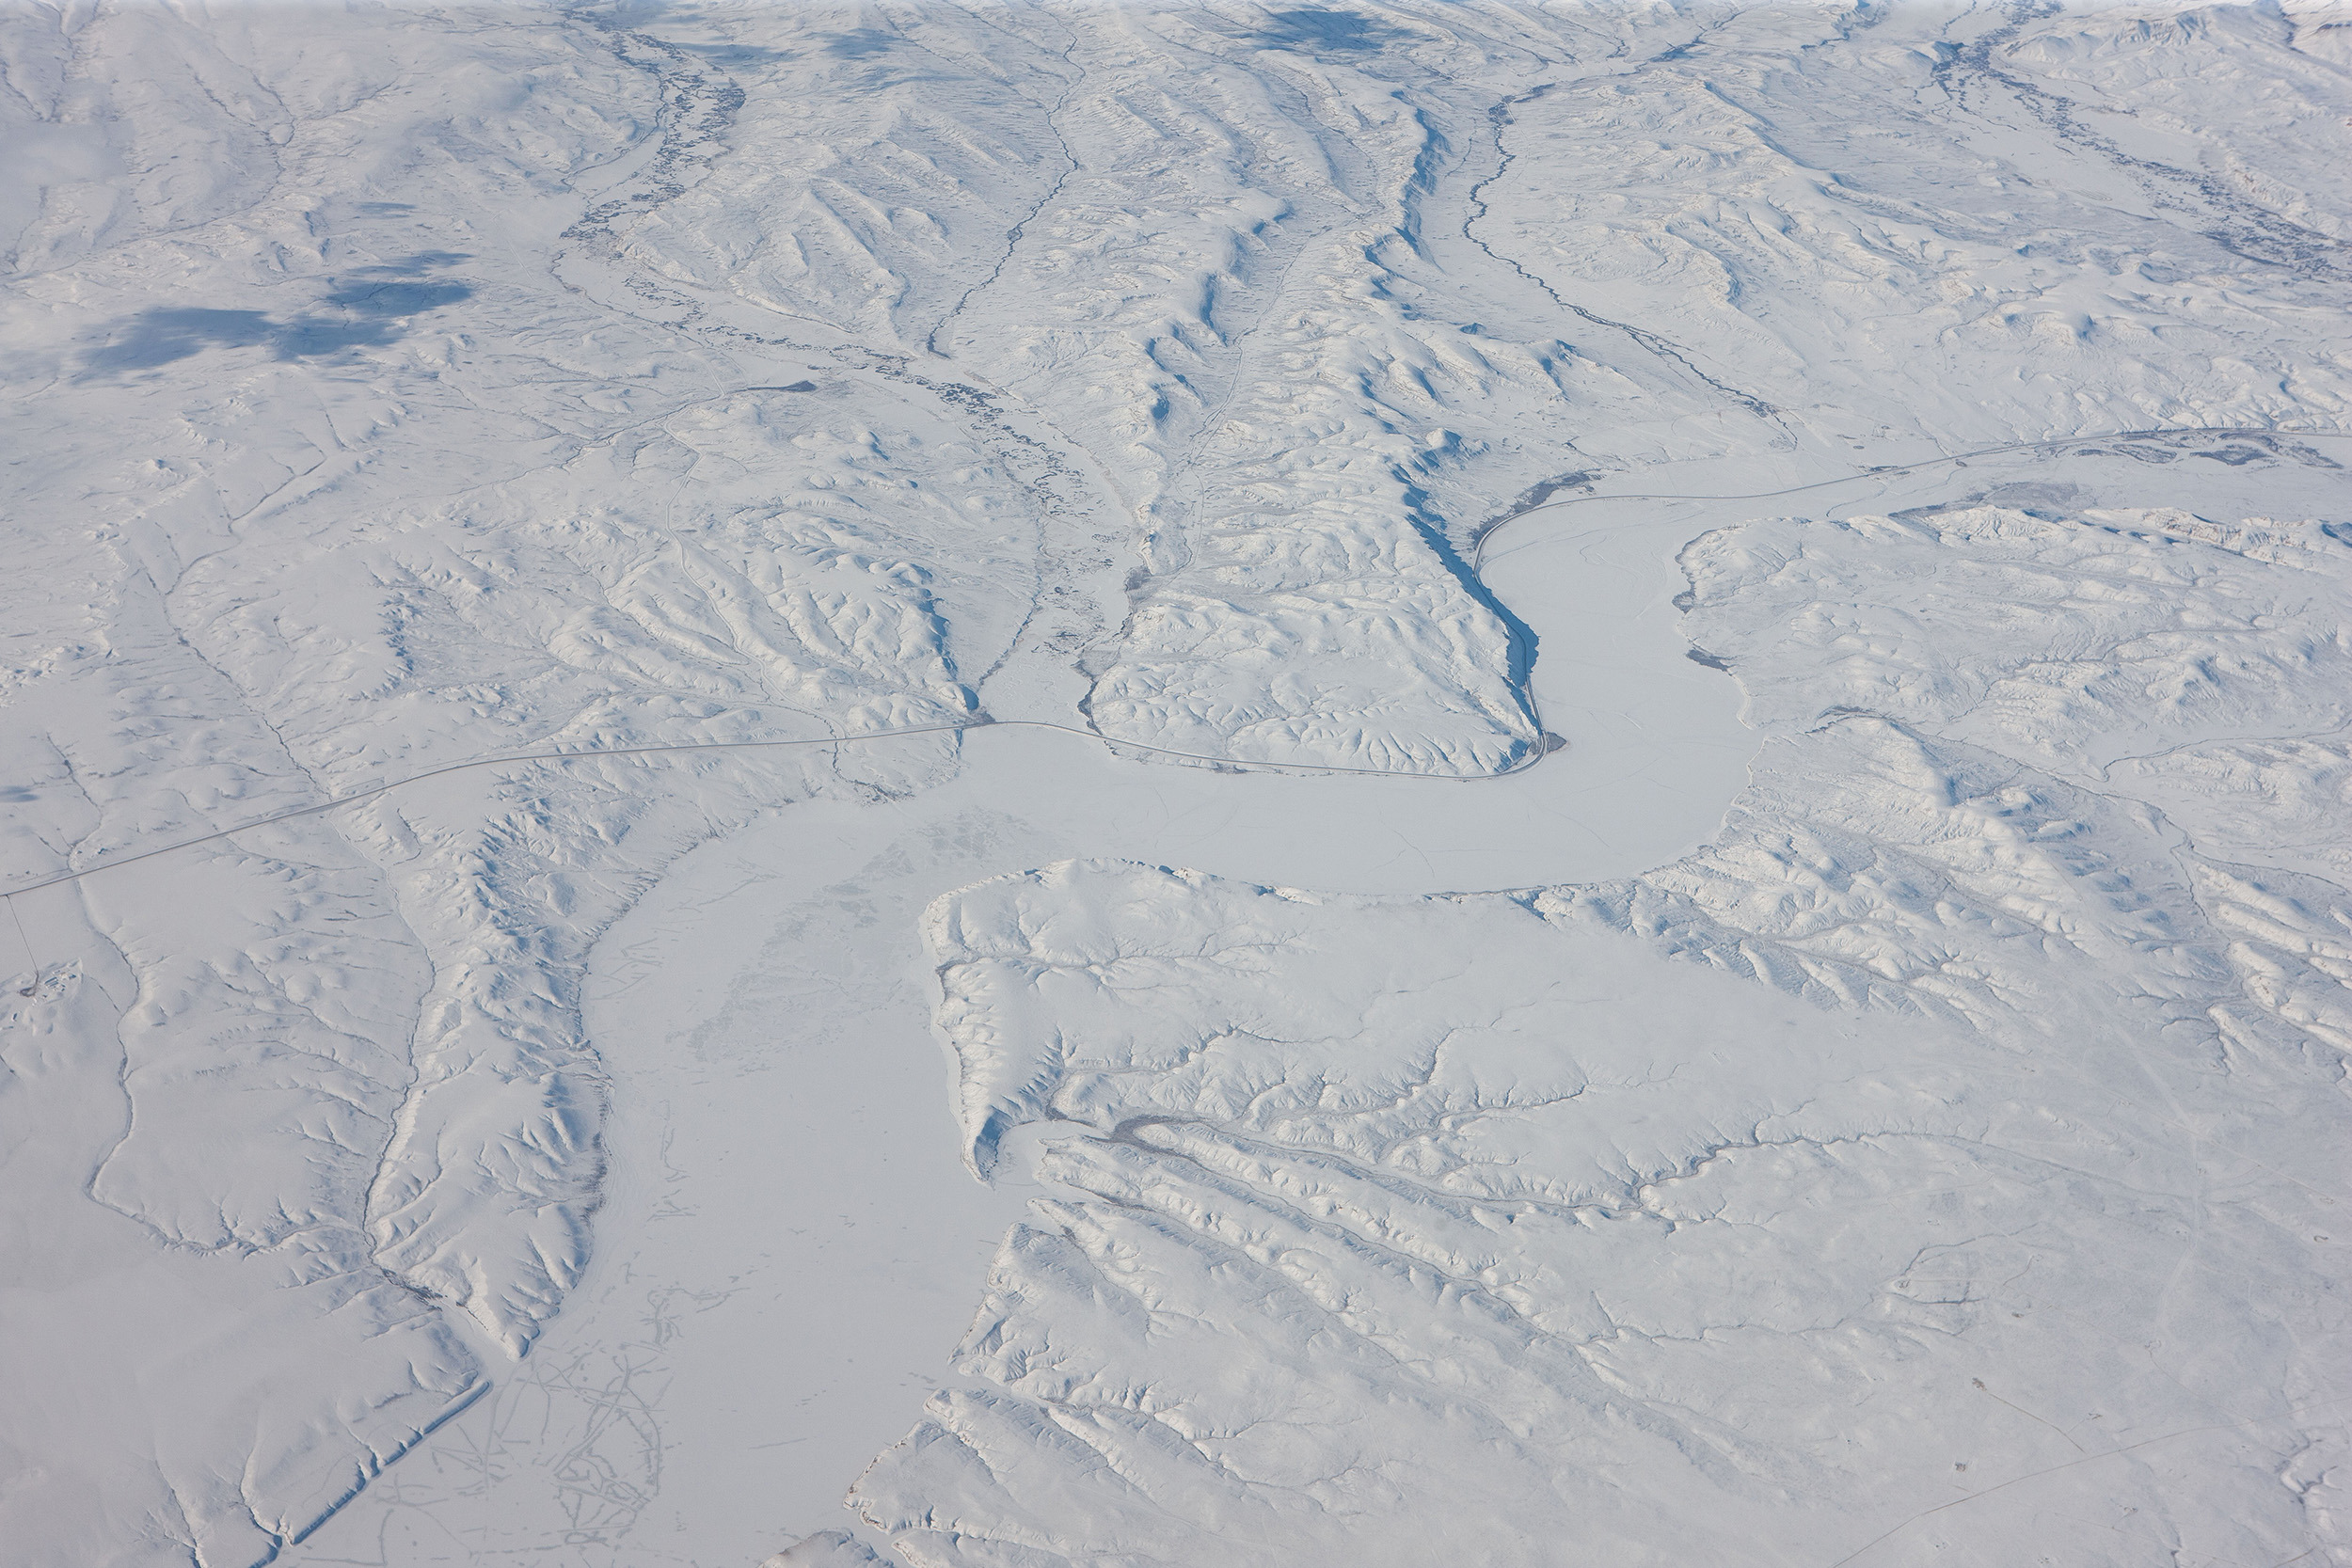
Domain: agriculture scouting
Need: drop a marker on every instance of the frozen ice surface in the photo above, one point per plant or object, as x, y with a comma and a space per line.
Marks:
1949, 1127
1875, 1093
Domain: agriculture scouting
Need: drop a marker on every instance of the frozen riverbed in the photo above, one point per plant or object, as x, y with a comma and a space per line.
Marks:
569, 1158
781, 1112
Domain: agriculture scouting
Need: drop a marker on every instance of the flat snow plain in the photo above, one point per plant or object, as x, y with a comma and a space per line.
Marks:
1222, 1087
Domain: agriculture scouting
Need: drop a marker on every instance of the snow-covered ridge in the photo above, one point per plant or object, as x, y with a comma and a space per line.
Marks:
395, 387
1959, 1121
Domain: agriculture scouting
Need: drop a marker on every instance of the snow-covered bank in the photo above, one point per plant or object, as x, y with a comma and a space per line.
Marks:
781, 1117
394, 386
1958, 1126
765, 1010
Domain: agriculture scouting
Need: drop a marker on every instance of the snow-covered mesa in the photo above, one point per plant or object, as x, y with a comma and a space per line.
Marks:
1904, 1124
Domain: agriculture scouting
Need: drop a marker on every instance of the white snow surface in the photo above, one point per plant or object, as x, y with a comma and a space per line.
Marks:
1959, 1123
1875, 1096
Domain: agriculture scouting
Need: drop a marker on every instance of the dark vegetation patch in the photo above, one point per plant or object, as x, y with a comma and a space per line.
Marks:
369, 309
1326, 32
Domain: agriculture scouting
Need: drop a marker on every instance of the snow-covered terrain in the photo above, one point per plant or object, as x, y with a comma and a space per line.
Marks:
1957, 1122
1600, 751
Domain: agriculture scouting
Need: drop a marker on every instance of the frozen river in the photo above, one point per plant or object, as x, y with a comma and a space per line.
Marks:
639, 634
780, 1111
789, 1243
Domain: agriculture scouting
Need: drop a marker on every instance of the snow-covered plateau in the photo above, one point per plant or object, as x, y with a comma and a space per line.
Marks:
1175, 784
